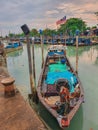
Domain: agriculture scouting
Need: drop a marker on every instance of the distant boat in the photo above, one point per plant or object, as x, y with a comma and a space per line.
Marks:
81, 41
12, 46
59, 88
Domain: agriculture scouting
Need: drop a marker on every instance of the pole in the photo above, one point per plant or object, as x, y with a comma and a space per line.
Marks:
42, 50
34, 96
33, 55
77, 54
30, 64
65, 38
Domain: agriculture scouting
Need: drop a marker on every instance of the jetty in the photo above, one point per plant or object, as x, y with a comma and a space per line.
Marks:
15, 112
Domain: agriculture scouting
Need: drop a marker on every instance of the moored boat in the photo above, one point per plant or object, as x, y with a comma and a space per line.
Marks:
59, 88
13, 46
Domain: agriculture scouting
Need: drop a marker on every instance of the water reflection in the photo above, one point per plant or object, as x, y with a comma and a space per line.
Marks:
96, 62
71, 51
15, 53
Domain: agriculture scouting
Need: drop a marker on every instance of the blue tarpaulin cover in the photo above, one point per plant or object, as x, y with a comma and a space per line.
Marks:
54, 76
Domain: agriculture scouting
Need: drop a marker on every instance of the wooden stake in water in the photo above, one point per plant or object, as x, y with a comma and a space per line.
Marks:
33, 89
30, 64
42, 50
77, 54
33, 55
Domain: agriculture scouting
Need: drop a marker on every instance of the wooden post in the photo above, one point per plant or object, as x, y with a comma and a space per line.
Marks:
42, 50
30, 64
9, 89
33, 55
34, 97
3, 55
77, 54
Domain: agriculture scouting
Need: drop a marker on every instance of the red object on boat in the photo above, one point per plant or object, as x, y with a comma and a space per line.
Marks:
65, 122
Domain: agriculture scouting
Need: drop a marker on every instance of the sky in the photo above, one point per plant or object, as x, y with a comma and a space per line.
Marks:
41, 14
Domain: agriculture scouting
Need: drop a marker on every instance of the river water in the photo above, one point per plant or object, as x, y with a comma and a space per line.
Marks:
87, 116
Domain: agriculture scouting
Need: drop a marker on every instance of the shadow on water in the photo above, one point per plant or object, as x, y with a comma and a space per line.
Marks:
48, 118
76, 123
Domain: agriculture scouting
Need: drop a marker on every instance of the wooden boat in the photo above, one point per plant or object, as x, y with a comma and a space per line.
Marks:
59, 88
13, 46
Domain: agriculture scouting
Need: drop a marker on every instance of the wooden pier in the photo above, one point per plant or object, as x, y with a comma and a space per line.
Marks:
16, 113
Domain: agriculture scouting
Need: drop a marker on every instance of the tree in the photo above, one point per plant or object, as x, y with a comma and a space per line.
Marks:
34, 32
20, 35
96, 13
11, 35
49, 32
72, 25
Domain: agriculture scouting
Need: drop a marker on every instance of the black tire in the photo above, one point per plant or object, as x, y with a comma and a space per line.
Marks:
61, 82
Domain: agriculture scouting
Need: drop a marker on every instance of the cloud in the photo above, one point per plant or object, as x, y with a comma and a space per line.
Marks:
51, 12
40, 13
80, 10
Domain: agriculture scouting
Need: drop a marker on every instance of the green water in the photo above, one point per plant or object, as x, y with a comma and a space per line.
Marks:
87, 116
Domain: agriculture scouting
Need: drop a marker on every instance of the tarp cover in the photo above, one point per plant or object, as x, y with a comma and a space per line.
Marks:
60, 71
54, 76
57, 67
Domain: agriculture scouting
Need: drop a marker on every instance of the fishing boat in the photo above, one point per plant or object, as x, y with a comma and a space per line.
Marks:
59, 88
13, 46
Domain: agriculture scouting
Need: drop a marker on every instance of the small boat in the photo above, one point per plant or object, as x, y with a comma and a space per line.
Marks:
13, 46
59, 88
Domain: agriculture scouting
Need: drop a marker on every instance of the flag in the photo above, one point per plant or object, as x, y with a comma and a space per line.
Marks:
61, 21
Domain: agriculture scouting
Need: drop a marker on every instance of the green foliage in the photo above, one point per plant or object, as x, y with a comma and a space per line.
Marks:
94, 27
72, 25
20, 35
11, 35
49, 32
34, 32
88, 28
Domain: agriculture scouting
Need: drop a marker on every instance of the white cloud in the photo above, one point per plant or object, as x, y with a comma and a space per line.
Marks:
84, 11
51, 12
40, 13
